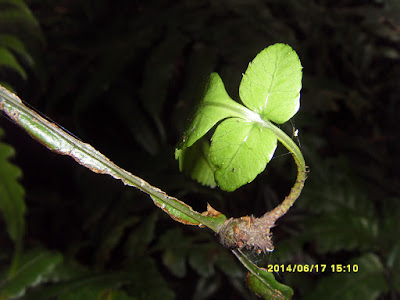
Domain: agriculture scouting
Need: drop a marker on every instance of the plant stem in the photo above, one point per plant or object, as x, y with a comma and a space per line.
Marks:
295, 191
255, 233
282, 209
257, 272
58, 140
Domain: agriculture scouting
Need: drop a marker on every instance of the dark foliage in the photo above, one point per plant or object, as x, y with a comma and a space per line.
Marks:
126, 77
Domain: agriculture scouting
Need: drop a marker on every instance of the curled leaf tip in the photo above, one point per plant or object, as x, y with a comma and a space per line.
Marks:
211, 212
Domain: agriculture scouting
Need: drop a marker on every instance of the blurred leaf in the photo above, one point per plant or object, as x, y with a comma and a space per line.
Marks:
198, 67
16, 17
68, 270
393, 264
227, 264
203, 256
202, 259
7, 59
70, 280
12, 203
110, 58
110, 67
112, 238
205, 288
15, 44
115, 295
147, 282
88, 286
34, 267
388, 239
368, 283
390, 226
159, 72
95, 292
15, 9
342, 231
17, 24
139, 279
133, 116
141, 237
175, 248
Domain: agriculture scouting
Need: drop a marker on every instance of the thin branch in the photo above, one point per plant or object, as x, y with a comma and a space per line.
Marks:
58, 140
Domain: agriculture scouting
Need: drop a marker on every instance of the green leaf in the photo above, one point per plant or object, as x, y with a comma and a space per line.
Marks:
216, 106
33, 269
368, 283
195, 161
243, 145
275, 289
12, 203
272, 82
240, 150
7, 59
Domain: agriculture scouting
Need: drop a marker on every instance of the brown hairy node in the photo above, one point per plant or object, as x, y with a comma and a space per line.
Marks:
248, 232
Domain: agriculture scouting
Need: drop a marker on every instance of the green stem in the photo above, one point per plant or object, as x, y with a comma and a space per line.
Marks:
276, 290
281, 209
248, 264
255, 233
58, 140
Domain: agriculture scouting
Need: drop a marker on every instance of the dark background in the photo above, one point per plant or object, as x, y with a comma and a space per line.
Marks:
126, 77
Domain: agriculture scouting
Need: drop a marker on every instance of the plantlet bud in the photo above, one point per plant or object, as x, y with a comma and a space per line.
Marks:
248, 232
